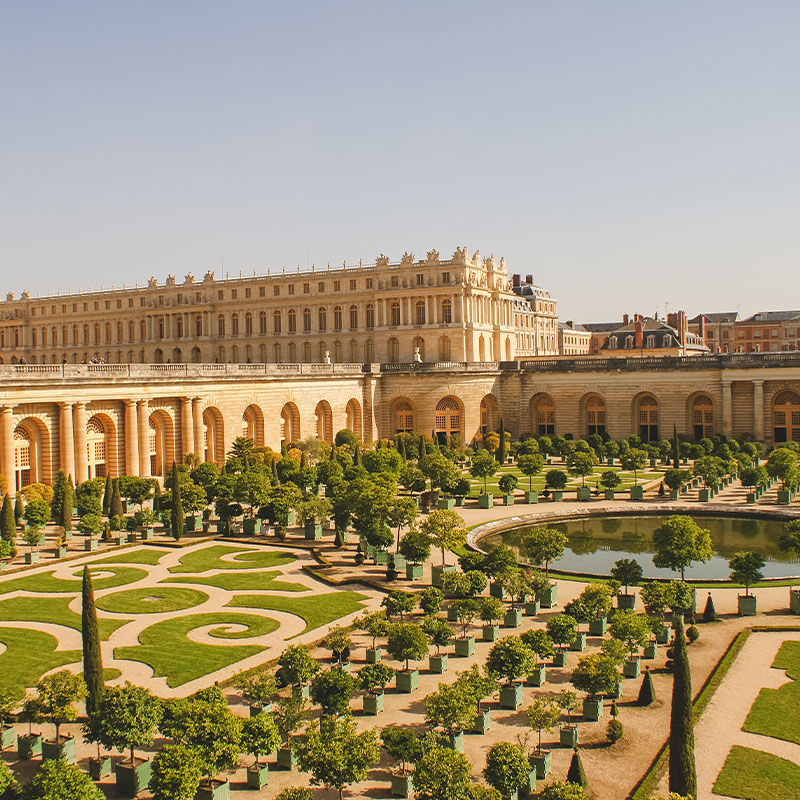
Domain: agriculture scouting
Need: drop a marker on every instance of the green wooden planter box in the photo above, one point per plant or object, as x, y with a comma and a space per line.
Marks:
608, 494
485, 500
465, 647
481, 723
398, 561
63, 749
402, 785
147, 534
437, 572
8, 737
674, 494
568, 735
373, 703
303, 690
455, 741
451, 614
90, 544
532, 497
490, 633
312, 530
512, 618
584, 494
496, 590
132, 778
784, 497
557, 496
560, 658
100, 768
532, 607
579, 645
29, 746
192, 523
751, 497
31, 558
528, 789
637, 493
407, 682
597, 627
508, 499
627, 601
704, 495
131, 537
664, 635
794, 600
374, 655
632, 667
291, 517
380, 557
447, 503
592, 708
438, 664
747, 605
257, 776
542, 760
549, 597
60, 552
537, 677
650, 650
413, 572
216, 790
511, 696
459, 501
251, 526
287, 758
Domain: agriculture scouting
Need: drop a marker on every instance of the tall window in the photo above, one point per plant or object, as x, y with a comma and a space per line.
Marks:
276, 353
786, 417
447, 419
248, 324
370, 316
262, 322
393, 347
322, 319
234, 324
306, 320
648, 418
702, 417
220, 325
337, 318
545, 416
447, 311
595, 416
403, 417
420, 312
353, 318
394, 310
292, 321
276, 321
353, 351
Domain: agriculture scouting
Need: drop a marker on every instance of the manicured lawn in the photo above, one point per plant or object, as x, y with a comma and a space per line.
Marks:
776, 712
151, 600
51, 609
243, 581
755, 775
29, 654
136, 555
315, 611
211, 558
166, 648
45, 582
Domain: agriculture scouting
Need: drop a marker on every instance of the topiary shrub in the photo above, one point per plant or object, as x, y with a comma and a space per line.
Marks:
692, 634
614, 731
709, 612
296, 793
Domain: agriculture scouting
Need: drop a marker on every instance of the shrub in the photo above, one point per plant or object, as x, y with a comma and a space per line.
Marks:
692, 634
614, 731
296, 793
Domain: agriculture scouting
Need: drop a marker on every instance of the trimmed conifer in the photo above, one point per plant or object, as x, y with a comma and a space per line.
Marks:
8, 525
275, 479
115, 510
676, 450
62, 495
357, 455
157, 497
501, 449
90, 638
575, 774
682, 768
64, 518
73, 495
709, 612
647, 691
177, 516
107, 492
402, 449
421, 447
19, 509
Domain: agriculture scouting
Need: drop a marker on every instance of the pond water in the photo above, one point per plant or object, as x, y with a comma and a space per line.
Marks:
595, 543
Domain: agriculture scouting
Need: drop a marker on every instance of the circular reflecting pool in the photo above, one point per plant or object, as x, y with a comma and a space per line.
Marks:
595, 543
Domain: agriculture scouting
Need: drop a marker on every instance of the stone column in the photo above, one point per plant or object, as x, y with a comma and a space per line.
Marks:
727, 409
197, 417
7, 465
758, 410
143, 431
131, 439
187, 426
81, 453
66, 439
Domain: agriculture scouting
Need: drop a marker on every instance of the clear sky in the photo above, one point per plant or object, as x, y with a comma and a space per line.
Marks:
628, 154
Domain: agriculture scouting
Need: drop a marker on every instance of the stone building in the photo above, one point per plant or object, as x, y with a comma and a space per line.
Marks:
573, 339
457, 309
108, 419
535, 319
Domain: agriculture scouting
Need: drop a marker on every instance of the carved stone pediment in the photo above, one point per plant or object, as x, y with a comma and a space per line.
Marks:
432, 257
460, 255
382, 261
407, 259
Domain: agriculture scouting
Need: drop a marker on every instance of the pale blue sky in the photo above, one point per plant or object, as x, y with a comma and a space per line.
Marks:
625, 153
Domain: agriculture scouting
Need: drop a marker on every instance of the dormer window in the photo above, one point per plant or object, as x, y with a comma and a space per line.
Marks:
651, 342
668, 340
612, 343
629, 342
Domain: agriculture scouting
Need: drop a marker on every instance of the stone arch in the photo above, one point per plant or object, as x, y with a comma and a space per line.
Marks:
646, 416
32, 453
162, 441
196, 357
324, 417
449, 418
101, 446
490, 414
593, 414
543, 414
213, 435
177, 355
786, 417
158, 356
700, 415
290, 424
253, 424
352, 413
402, 415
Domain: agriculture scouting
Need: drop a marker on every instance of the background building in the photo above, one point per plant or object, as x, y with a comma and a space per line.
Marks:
573, 339
535, 319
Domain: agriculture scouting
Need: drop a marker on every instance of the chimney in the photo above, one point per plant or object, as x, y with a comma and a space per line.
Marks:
702, 328
625, 319
529, 279
638, 333
515, 280
570, 323
683, 326
672, 320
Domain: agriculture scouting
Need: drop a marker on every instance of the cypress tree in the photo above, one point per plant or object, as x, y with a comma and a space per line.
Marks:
157, 497
177, 517
18, 509
682, 770
115, 509
64, 518
709, 612
90, 638
275, 479
575, 774
421, 447
303, 461
501, 450
8, 525
357, 455
676, 450
73, 495
107, 492
61, 490
647, 691
402, 449
435, 442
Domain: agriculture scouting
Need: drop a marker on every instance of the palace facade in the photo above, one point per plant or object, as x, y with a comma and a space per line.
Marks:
109, 419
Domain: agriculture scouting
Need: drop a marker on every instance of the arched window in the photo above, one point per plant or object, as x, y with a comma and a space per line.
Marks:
595, 416
262, 322
403, 417
75, 335
702, 417
489, 414
337, 351
419, 311
292, 353
179, 326
306, 320
234, 324
292, 321
786, 417
161, 327
44, 335
96, 448
276, 353
322, 319
220, 325
142, 331
276, 321
545, 416
131, 332
369, 351
307, 352
352, 413
648, 418
198, 326
448, 419
353, 318
22, 457
354, 351
444, 348
394, 313
628, 342
447, 311
324, 422
248, 324
370, 316
393, 350
418, 345
337, 318
322, 348
108, 333
290, 424
34, 337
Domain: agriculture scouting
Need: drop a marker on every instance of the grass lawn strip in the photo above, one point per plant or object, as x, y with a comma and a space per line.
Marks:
28, 655
45, 582
136, 555
314, 611
776, 712
54, 610
151, 600
243, 581
754, 775
211, 558
166, 648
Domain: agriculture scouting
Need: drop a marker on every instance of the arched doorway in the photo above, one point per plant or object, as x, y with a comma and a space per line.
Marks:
213, 436
490, 414
162, 442
324, 421
353, 417
786, 417
253, 424
648, 418
32, 455
290, 424
702, 417
24, 457
595, 415
448, 419
195, 355
96, 448
444, 348
544, 414
402, 415
418, 345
